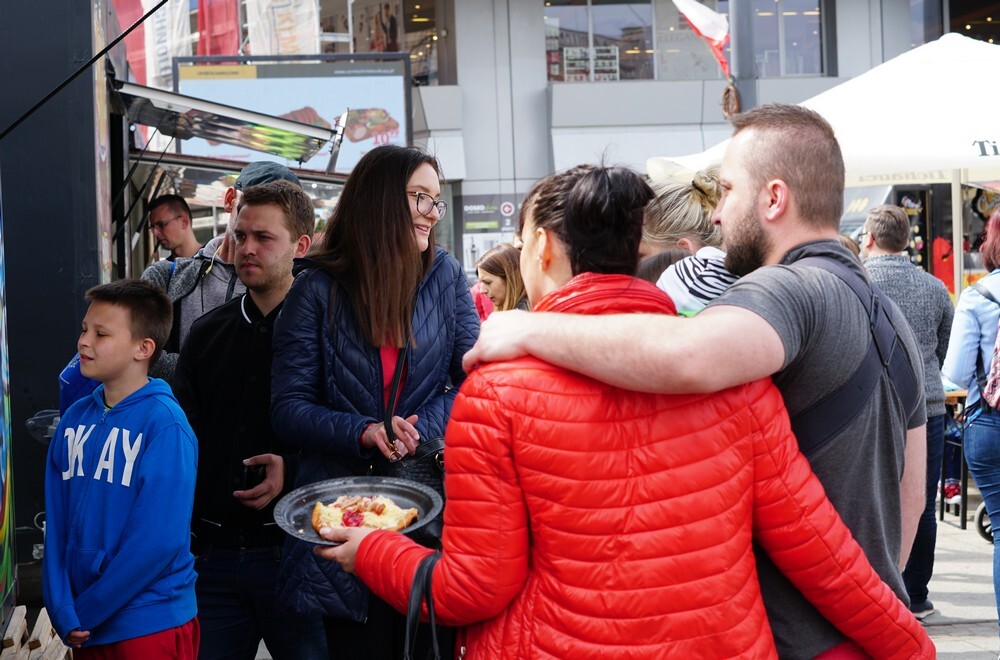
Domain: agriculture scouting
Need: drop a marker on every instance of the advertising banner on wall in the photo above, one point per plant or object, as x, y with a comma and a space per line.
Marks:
283, 27
7, 557
168, 35
487, 221
375, 92
218, 27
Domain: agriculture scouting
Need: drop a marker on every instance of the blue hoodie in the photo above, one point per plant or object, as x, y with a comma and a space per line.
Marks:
119, 488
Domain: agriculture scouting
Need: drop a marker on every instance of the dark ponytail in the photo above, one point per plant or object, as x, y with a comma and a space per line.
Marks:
596, 212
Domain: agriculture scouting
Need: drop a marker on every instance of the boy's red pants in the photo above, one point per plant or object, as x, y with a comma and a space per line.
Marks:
180, 643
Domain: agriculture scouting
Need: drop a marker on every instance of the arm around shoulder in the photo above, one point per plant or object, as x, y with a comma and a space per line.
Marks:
718, 348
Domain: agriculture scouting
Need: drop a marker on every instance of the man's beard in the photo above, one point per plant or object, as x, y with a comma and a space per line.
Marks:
747, 246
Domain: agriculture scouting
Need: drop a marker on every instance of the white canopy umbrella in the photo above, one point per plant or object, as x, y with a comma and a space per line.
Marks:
930, 115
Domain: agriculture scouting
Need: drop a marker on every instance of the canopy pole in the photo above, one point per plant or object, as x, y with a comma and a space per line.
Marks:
957, 232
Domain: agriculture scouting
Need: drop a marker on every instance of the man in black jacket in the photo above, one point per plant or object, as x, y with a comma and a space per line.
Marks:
223, 383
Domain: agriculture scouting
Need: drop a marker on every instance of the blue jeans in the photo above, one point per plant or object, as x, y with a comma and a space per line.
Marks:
982, 453
920, 565
237, 607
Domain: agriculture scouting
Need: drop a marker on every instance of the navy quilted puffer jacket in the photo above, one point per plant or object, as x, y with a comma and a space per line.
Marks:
327, 388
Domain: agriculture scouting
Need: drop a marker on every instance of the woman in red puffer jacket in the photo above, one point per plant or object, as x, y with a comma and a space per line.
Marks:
589, 521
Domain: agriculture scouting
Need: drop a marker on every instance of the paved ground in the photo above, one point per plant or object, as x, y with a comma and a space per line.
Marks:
964, 625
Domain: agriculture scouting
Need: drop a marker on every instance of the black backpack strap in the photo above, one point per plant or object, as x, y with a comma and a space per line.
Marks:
818, 424
173, 344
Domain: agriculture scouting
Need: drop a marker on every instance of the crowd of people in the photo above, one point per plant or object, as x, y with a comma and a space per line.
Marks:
694, 425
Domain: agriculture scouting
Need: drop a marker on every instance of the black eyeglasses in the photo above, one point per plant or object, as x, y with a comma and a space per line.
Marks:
153, 227
425, 203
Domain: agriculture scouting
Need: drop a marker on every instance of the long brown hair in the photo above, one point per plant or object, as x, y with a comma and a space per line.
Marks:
990, 249
504, 261
369, 243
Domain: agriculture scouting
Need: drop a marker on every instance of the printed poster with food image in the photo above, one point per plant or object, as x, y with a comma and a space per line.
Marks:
374, 94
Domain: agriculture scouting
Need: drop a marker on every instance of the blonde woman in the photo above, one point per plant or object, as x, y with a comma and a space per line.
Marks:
499, 272
680, 216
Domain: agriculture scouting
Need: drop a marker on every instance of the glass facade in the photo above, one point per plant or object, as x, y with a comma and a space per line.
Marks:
788, 37
601, 40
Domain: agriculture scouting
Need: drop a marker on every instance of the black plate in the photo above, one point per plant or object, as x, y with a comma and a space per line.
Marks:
293, 512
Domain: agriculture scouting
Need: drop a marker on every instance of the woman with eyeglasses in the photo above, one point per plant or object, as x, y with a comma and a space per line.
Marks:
378, 284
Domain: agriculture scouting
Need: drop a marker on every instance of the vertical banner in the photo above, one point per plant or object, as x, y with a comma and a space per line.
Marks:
130, 11
102, 144
168, 35
283, 27
219, 30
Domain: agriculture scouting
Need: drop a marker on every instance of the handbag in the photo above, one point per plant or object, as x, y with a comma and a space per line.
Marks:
420, 592
425, 465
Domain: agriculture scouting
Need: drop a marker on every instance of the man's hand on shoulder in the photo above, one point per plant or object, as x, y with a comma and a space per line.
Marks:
274, 481
503, 336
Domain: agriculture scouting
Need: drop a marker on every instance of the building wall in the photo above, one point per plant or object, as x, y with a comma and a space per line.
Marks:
517, 127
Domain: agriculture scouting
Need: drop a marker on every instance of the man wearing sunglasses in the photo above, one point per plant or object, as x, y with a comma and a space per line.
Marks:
170, 222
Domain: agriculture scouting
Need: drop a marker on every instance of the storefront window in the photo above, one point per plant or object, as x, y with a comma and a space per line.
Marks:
595, 40
787, 37
680, 53
599, 40
384, 26
926, 21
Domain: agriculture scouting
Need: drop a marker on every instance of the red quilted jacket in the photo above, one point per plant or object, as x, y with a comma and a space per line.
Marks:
588, 521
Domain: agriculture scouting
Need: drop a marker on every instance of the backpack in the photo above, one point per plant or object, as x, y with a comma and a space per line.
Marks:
822, 421
989, 382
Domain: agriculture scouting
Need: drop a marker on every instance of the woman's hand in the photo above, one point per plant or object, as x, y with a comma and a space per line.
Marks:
406, 434
345, 554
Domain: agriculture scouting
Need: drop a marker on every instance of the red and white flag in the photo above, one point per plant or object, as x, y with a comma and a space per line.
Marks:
710, 25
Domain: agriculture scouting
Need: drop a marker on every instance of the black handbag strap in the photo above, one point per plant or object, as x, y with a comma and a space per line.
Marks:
397, 376
420, 592
818, 424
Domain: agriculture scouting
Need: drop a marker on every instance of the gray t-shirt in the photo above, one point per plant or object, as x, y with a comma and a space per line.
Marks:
825, 332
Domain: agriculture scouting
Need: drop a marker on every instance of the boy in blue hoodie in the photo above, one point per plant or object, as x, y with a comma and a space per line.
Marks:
119, 487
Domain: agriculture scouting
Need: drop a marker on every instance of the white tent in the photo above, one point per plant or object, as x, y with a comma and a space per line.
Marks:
931, 115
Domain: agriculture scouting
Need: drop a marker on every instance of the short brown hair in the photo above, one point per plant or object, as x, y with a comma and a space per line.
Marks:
300, 219
175, 203
798, 146
889, 226
151, 314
